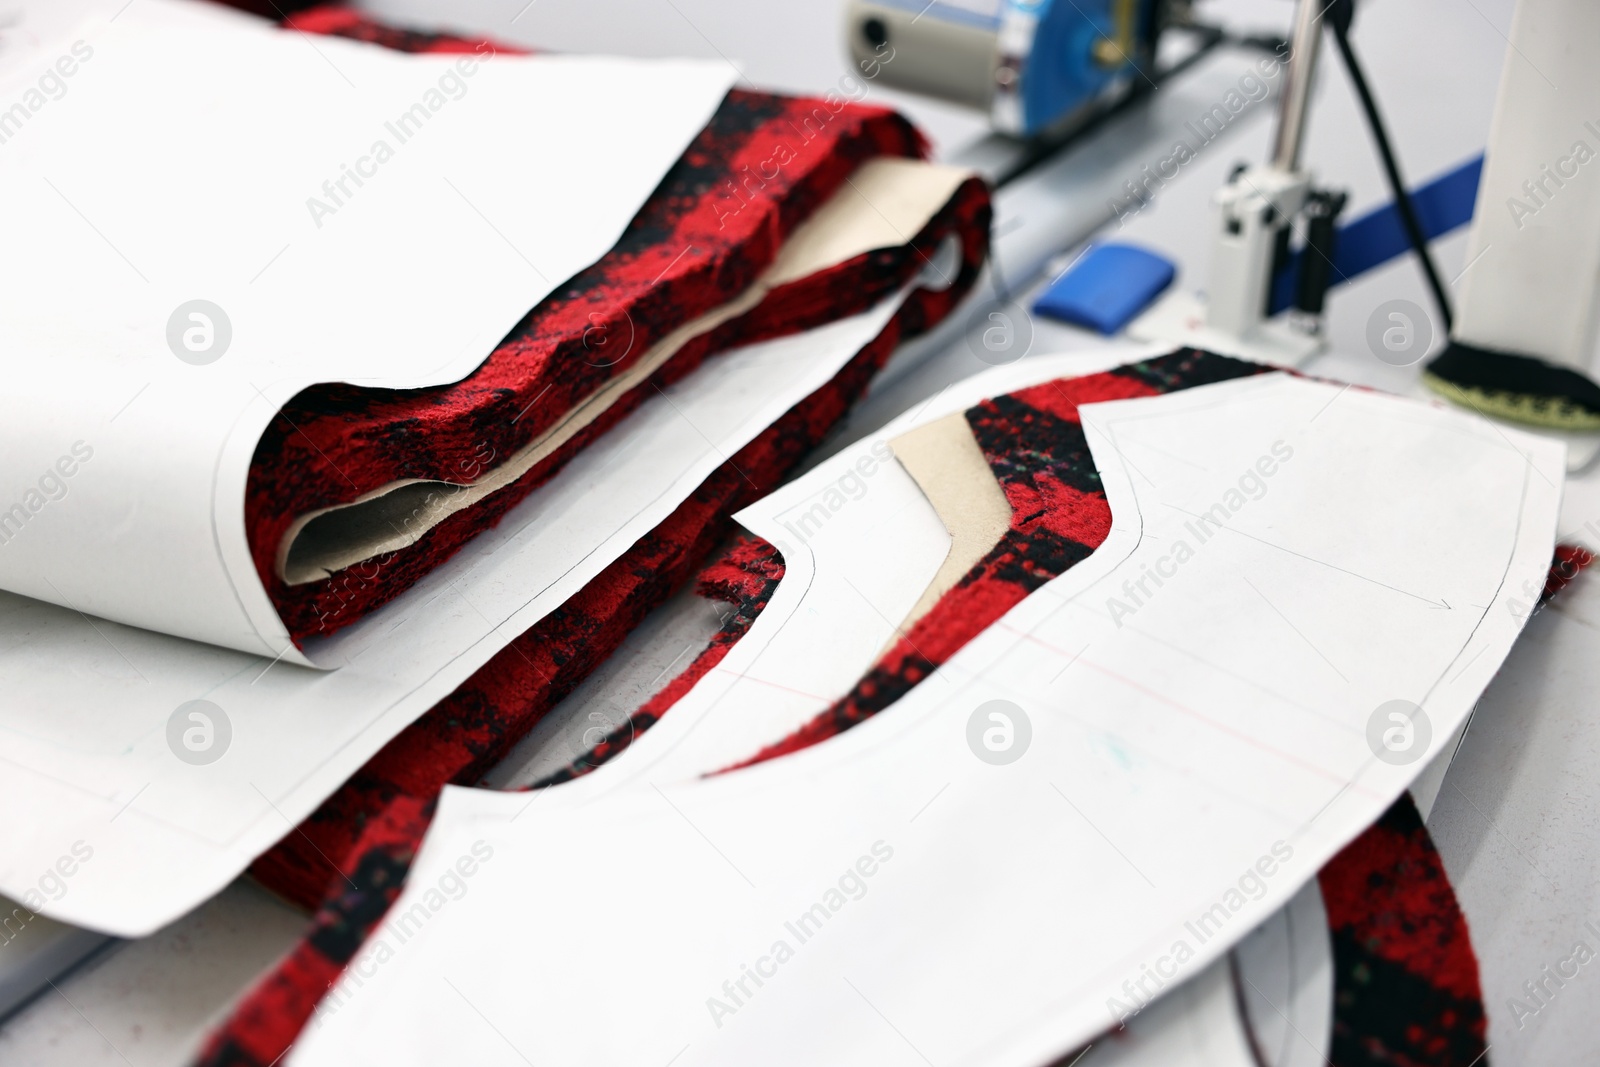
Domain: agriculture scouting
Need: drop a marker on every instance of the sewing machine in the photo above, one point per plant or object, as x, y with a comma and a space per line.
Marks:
1038, 68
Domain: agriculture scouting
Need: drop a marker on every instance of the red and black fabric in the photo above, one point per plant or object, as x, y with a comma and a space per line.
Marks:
343, 598
347, 22
1570, 560
1034, 443
1406, 988
759, 169
270, 1017
272, 9
746, 576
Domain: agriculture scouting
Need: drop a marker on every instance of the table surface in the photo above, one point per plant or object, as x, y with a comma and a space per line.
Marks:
1519, 810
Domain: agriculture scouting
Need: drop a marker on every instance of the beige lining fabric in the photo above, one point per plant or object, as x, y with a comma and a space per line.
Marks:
944, 459
884, 204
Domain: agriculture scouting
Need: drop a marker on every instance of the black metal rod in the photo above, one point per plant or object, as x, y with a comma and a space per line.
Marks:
1391, 167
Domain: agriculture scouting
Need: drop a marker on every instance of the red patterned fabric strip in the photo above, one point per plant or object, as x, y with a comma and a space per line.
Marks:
1035, 445
746, 576
718, 218
1406, 989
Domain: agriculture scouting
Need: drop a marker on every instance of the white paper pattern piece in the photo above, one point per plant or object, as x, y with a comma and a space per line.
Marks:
34, 33
1286, 983
90, 705
356, 214
1196, 1025
1198, 748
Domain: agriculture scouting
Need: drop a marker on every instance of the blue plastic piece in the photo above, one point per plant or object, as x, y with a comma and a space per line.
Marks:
1443, 205
1107, 287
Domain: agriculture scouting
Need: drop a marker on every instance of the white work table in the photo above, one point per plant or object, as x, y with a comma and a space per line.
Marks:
1519, 812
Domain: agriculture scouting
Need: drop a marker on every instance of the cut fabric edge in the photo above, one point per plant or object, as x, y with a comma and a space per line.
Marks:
323, 543
1407, 989
324, 607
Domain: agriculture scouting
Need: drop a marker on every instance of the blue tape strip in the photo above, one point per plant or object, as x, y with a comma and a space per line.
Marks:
1443, 205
